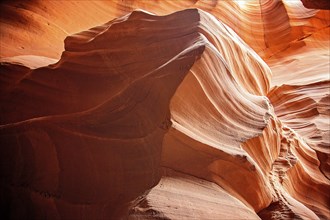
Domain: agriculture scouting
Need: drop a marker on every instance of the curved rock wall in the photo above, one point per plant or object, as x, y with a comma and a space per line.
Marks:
220, 112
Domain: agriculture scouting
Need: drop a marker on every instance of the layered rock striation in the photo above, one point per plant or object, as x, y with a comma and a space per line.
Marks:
169, 117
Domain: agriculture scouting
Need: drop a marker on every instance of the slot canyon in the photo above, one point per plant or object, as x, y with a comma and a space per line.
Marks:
165, 109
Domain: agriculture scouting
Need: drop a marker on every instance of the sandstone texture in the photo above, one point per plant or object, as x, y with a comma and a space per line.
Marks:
189, 109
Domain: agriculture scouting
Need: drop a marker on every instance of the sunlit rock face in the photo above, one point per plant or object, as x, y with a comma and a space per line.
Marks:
165, 109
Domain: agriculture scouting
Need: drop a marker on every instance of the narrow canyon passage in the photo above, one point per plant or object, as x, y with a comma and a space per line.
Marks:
188, 109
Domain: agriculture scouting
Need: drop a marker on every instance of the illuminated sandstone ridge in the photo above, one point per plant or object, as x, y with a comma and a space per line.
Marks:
173, 117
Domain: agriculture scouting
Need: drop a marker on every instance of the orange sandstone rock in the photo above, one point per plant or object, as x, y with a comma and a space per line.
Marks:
220, 112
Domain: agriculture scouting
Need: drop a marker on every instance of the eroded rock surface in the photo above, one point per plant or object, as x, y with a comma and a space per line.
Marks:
183, 116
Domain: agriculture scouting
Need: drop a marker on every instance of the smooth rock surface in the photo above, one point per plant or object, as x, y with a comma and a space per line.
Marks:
169, 110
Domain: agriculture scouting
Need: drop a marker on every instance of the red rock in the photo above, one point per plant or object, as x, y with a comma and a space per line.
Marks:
220, 112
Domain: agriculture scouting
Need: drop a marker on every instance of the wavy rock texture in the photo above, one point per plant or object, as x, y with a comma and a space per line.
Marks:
220, 112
